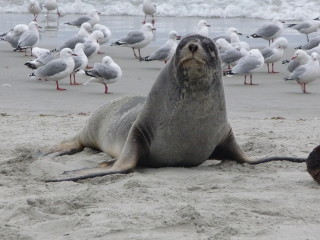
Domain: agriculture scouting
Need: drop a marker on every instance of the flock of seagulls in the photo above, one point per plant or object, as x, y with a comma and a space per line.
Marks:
303, 68
236, 56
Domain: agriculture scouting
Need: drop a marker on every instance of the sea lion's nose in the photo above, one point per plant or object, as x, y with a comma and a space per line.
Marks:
193, 47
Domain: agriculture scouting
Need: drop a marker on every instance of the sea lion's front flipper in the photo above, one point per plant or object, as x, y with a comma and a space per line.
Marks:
68, 147
134, 148
229, 149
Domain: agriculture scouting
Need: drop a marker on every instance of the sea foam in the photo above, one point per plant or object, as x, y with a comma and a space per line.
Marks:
264, 9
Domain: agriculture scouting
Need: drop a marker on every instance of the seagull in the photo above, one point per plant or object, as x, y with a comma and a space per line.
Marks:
231, 57
106, 72
43, 56
269, 31
106, 33
13, 36
29, 38
83, 33
137, 39
274, 52
35, 8
57, 69
80, 62
91, 45
165, 52
300, 57
242, 46
313, 42
203, 28
149, 9
306, 27
51, 5
92, 18
226, 35
306, 73
246, 65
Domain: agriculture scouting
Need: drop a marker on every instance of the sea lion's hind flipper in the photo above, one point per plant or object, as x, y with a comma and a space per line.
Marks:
229, 149
99, 173
103, 169
84, 171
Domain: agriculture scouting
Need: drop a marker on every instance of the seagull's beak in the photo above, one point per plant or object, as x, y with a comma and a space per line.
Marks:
293, 58
178, 37
39, 26
73, 54
239, 33
208, 25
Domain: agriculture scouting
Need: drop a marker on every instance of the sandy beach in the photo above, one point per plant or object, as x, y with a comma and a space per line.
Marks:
277, 200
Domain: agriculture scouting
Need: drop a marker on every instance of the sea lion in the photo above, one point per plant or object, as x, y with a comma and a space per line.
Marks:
182, 122
313, 164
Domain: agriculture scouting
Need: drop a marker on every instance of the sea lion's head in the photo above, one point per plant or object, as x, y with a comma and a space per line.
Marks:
197, 61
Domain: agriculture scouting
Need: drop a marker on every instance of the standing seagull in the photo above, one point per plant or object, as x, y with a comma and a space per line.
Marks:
137, 39
306, 27
51, 5
149, 9
269, 31
29, 38
106, 72
81, 37
300, 57
314, 42
91, 45
35, 8
246, 65
13, 36
106, 33
274, 52
92, 18
165, 52
43, 56
57, 69
306, 73
80, 62
203, 28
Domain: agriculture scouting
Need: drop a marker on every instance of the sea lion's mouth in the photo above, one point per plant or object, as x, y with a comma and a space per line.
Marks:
193, 68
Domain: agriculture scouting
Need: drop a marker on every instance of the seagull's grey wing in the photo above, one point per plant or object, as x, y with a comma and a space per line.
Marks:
231, 55
266, 52
293, 64
314, 42
80, 20
77, 62
268, 30
12, 39
160, 54
45, 57
301, 26
103, 71
245, 65
133, 37
52, 68
72, 42
5, 33
28, 39
296, 74
89, 49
